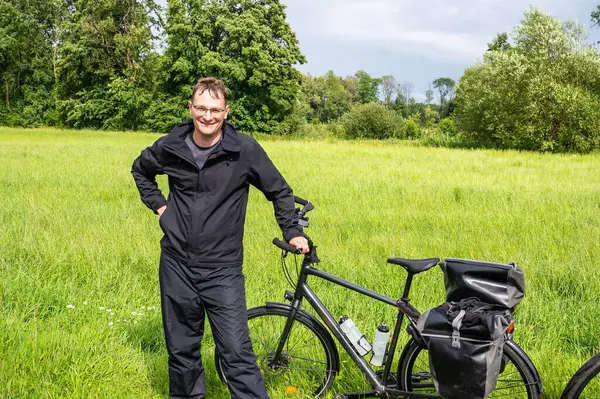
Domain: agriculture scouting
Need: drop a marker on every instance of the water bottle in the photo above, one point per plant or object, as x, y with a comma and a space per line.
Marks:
382, 336
357, 339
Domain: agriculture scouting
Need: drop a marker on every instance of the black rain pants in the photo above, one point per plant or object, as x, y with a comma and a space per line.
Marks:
187, 294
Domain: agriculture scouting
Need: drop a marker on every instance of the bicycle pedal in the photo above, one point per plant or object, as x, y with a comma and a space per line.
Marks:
340, 396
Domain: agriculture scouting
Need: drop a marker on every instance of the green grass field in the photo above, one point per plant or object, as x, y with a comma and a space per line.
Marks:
79, 303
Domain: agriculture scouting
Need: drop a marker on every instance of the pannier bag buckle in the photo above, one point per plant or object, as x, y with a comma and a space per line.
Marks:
456, 323
456, 339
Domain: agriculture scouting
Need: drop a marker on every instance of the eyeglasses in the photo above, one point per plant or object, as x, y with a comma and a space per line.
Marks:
213, 111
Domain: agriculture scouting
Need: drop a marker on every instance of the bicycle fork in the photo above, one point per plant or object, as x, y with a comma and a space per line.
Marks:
296, 302
277, 359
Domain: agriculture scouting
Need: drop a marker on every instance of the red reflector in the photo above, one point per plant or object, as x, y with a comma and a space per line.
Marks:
510, 327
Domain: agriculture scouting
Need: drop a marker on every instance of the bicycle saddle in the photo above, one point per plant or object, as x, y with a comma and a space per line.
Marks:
415, 266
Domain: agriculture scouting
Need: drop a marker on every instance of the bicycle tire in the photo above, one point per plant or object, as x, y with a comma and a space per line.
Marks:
309, 363
414, 374
582, 379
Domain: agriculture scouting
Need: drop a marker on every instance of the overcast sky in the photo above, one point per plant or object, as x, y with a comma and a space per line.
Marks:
412, 40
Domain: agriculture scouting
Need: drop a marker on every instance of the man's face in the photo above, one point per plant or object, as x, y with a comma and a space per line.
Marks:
207, 112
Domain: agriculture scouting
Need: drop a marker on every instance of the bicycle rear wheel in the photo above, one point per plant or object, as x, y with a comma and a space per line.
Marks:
517, 380
585, 383
308, 363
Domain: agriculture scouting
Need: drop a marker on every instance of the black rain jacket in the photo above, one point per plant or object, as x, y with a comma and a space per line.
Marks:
204, 220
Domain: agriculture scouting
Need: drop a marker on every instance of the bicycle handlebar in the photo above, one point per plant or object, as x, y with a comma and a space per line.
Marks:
306, 207
286, 247
300, 201
303, 221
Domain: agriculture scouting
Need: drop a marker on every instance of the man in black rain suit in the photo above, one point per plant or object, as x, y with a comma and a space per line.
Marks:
210, 167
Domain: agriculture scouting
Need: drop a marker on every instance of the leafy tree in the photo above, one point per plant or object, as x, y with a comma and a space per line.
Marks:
500, 43
366, 87
445, 87
389, 89
101, 68
327, 97
541, 94
349, 83
400, 106
430, 117
416, 110
310, 94
429, 95
336, 100
27, 58
411, 108
406, 89
596, 16
246, 43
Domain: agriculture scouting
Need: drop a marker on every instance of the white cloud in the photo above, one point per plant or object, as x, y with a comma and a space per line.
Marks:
440, 30
407, 27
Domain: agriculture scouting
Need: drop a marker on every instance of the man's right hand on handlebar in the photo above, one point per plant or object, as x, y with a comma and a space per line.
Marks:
301, 243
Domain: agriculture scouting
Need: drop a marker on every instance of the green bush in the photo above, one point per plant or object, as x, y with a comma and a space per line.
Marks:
429, 118
295, 121
372, 121
447, 127
319, 131
412, 128
11, 118
436, 138
87, 110
542, 94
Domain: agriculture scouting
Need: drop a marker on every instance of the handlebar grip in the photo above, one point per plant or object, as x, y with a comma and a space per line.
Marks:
286, 247
300, 201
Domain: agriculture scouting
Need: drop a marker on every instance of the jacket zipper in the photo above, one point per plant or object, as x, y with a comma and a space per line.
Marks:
194, 237
193, 231
185, 158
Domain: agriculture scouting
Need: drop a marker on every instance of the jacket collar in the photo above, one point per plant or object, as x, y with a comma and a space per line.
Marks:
230, 140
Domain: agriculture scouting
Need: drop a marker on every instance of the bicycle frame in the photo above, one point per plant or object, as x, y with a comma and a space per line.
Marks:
304, 291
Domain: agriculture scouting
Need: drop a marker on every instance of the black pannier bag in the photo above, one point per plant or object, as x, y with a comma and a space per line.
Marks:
465, 336
495, 283
465, 341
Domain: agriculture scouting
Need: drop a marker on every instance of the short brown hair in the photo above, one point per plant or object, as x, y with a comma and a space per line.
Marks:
216, 88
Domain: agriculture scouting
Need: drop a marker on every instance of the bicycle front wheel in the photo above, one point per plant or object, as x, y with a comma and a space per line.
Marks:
307, 365
585, 383
516, 380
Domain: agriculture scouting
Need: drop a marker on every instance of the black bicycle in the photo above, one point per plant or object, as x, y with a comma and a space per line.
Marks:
297, 353
585, 383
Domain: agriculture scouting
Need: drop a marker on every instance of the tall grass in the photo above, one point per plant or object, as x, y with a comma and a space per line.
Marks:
79, 303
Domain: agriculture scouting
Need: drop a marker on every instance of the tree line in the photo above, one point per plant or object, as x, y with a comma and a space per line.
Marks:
130, 65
